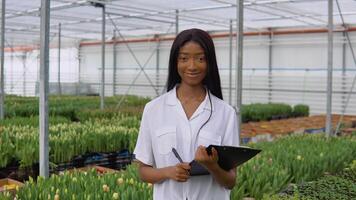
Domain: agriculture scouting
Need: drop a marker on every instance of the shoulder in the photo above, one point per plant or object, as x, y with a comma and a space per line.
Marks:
156, 103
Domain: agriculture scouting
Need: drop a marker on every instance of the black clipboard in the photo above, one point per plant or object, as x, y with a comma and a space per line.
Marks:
229, 157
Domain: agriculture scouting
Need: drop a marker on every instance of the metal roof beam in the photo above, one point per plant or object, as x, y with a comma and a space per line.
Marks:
36, 11
138, 17
171, 14
277, 15
295, 14
249, 5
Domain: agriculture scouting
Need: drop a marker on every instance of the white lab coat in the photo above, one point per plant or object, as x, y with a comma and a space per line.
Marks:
165, 125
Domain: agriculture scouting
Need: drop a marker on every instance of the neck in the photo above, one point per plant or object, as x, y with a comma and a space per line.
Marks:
190, 91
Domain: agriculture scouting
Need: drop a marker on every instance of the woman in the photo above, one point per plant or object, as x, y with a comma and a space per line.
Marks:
188, 118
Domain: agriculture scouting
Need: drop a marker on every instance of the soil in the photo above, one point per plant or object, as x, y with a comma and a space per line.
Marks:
293, 125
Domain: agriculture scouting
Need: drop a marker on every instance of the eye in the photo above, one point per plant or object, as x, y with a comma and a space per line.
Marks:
183, 58
201, 59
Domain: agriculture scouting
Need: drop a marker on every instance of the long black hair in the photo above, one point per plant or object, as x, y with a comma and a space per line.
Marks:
212, 78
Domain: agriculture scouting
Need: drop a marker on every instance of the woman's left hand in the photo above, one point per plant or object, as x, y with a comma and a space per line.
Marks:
202, 157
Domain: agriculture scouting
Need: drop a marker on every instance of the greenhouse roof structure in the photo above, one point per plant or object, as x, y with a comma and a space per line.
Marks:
82, 19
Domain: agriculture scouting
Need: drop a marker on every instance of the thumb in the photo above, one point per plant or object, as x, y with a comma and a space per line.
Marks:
214, 152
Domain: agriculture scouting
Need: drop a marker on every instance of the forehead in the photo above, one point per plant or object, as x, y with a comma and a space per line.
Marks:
191, 48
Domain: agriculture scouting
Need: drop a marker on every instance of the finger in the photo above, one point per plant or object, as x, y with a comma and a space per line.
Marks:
204, 153
200, 155
182, 178
215, 153
181, 165
182, 171
185, 166
200, 151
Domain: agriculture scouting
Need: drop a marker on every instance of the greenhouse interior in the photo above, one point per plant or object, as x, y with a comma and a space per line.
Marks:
77, 75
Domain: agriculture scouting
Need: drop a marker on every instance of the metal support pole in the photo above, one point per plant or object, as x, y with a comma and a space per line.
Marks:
343, 87
177, 22
344, 52
44, 65
270, 67
24, 56
239, 57
102, 90
157, 64
230, 63
2, 41
114, 65
59, 60
12, 70
79, 71
328, 124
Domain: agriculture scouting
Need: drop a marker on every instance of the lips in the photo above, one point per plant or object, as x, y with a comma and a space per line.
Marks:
192, 74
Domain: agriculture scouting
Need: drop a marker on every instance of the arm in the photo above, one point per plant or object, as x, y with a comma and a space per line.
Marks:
226, 179
179, 172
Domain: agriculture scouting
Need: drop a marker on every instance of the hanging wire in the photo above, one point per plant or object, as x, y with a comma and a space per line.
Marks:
354, 79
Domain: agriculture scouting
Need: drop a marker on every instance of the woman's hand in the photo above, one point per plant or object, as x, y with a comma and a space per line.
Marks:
179, 172
202, 157
226, 179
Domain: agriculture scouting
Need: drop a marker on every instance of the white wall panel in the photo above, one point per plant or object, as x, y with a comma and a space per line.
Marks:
298, 70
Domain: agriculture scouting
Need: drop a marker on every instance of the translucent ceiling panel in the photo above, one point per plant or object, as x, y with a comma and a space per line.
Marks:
22, 5
81, 20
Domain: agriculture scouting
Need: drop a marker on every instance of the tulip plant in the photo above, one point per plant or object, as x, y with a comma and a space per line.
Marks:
68, 140
86, 185
292, 159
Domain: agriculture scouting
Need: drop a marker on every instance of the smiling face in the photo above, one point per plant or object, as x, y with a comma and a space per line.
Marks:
192, 65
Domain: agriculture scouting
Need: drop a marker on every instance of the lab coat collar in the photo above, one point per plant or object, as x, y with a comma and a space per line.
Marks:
172, 99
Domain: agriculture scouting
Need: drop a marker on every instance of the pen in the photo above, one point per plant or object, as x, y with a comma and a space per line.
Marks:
177, 155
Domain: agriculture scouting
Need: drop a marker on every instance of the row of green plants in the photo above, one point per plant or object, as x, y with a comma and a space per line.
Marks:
31, 121
85, 185
67, 140
341, 185
270, 111
75, 108
293, 159
79, 108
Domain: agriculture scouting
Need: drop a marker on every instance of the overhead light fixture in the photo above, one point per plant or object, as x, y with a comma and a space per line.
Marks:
98, 3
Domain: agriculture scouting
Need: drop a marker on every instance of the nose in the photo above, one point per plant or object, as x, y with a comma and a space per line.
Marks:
191, 64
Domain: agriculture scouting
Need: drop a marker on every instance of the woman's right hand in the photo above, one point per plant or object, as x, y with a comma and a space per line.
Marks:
179, 172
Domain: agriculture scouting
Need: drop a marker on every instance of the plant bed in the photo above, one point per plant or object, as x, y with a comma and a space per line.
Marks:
98, 169
339, 186
348, 131
110, 158
5, 171
91, 185
291, 159
9, 185
285, 126
77, 138
15, 172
